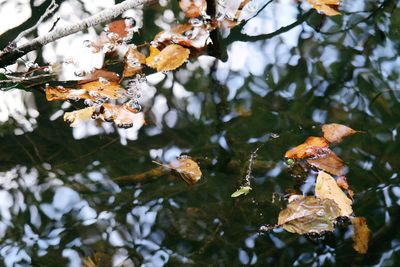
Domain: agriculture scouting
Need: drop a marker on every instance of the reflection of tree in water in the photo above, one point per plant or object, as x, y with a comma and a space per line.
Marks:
59, 202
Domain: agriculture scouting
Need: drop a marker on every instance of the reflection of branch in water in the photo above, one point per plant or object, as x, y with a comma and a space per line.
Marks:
155, 173
236, 34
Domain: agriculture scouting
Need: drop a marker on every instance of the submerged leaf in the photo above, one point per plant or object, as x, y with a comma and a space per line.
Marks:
334, 132
309, 215
327, 7
187, 168
327, 188
243, 190
361, 234
74, 118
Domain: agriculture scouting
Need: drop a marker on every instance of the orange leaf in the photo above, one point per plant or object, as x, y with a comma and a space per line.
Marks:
327, 7
311, 147
185, 35
170, 58
133, 62
361, 234
329, 162
193, 8
61, 93
101, 89
334, 132
119, 27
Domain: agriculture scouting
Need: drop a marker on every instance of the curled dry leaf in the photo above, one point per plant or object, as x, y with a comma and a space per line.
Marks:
170, 58
327, 7
309, 215
361, 234
74, 118
327, 188
311, 147
134, 61
122, 115
187, 168
193, 8
329, 162
334, 132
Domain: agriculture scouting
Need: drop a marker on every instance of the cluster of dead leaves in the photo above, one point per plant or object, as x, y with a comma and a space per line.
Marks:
319, 213
169, 50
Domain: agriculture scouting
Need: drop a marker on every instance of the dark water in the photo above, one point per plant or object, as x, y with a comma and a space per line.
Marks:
60, 203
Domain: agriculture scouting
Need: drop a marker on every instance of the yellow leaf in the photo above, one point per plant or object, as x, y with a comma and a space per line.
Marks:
170, 58
327, 188
361, 234
74, 118
105, 88
327, 7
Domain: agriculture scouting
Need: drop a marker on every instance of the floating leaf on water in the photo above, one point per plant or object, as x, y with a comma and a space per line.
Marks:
243, 190
170, 58
328, 161
361, 234
327, 7
309, 215
311, 147
111, 90
61, 93
74, 118
133, 62
193, 8
334, 132
187, 168
327, 188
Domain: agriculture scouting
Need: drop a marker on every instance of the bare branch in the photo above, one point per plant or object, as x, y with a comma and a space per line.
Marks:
9, 57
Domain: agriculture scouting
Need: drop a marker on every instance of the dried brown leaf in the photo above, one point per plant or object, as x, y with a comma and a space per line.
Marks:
334, 132
329, 162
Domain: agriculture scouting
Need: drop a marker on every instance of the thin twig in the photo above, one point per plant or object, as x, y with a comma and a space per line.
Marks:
49, 11
9, 57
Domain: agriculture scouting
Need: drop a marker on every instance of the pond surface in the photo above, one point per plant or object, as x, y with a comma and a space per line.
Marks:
62, 198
